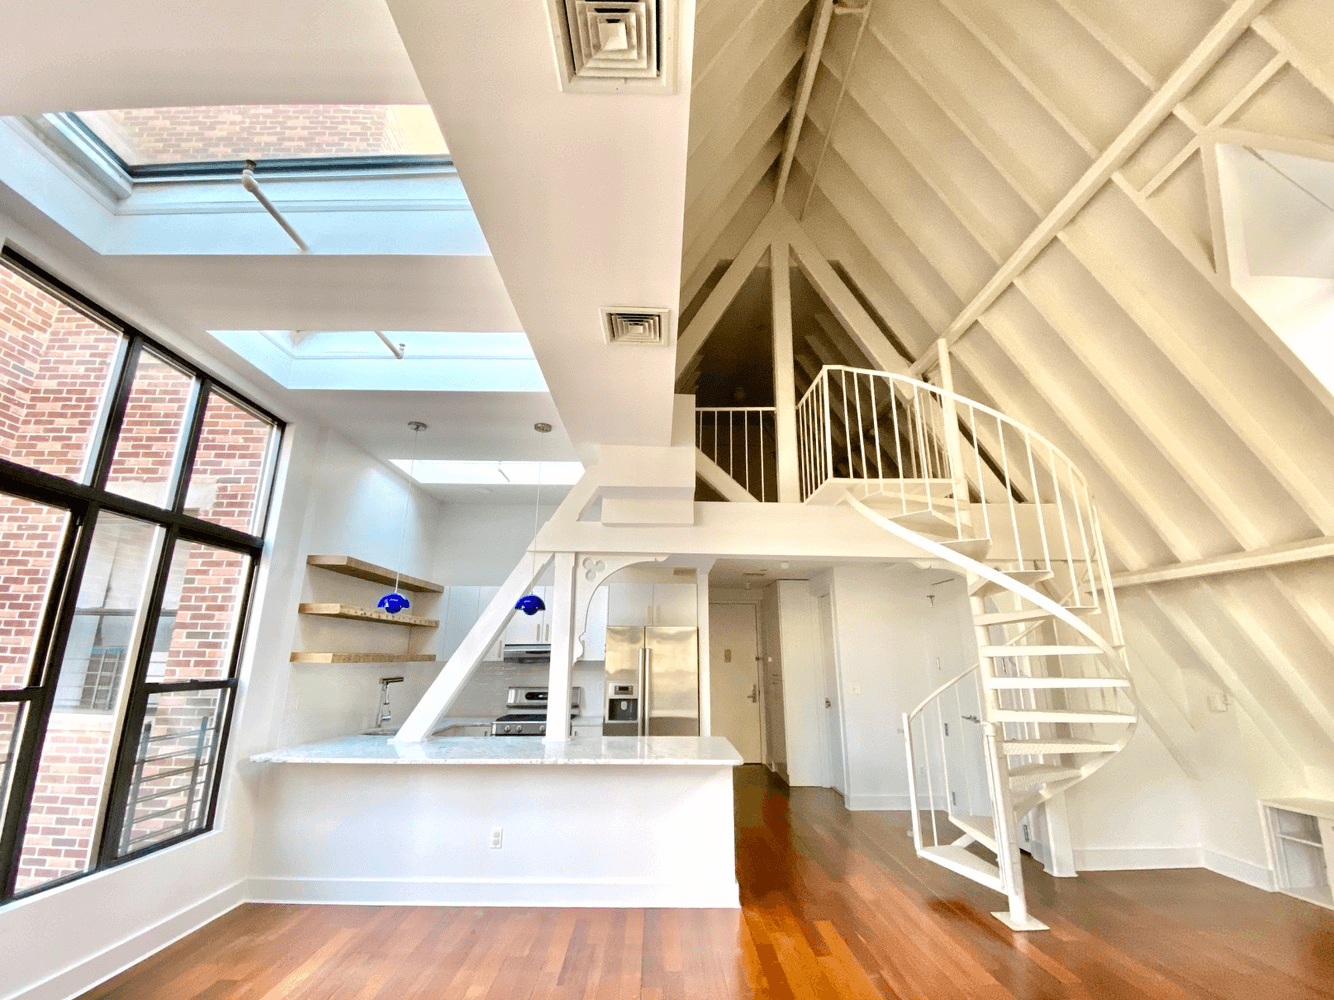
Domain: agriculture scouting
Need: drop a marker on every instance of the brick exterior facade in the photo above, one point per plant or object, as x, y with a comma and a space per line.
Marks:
143, 136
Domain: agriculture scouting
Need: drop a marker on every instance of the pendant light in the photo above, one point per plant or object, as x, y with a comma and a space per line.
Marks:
531, 604
394, 602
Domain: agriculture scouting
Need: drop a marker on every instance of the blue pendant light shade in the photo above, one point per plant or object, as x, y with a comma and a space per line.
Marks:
394, 603
529, 604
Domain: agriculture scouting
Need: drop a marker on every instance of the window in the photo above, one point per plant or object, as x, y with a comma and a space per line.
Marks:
133, 497
149, 142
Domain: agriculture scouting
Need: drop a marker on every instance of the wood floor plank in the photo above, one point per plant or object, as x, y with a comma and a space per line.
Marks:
834, 905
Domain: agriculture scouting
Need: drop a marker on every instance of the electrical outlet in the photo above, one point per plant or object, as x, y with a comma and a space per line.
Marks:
497, 837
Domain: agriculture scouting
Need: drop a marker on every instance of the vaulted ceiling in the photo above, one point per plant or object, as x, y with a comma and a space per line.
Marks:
1034, 180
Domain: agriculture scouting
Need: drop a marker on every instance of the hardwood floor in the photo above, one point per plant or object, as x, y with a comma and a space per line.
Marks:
833, 905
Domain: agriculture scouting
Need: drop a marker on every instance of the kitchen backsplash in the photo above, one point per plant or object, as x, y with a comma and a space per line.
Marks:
484, 694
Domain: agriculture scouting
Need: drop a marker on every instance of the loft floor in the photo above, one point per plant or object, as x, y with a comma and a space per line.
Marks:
833, 905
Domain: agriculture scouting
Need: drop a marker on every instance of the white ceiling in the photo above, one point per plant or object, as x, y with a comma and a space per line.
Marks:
75, 55
580, 196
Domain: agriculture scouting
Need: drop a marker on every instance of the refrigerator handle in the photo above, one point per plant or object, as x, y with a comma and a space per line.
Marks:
648, 689
643, 695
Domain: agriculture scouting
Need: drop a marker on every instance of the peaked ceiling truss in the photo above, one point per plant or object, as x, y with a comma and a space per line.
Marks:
1036, 182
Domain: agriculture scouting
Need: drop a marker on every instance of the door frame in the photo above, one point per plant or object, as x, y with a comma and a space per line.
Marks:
821, 586
754, 605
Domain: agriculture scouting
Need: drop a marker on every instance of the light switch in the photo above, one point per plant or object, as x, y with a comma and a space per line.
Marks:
856, 689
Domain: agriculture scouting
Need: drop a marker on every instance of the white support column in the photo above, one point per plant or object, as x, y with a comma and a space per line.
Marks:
455, 673
702, 618
562, 649
951, 411
785, 382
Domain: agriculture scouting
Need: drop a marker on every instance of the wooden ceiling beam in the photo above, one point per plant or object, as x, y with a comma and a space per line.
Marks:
824, 13
1309, 550
1234, 22
691, 340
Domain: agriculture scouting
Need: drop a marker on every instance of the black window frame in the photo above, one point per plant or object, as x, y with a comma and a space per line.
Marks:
84, 502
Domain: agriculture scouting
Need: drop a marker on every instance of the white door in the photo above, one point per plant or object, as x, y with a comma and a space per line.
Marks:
833, 708
734, 678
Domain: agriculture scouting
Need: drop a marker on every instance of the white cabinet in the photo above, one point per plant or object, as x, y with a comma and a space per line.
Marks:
652, 604
527, 629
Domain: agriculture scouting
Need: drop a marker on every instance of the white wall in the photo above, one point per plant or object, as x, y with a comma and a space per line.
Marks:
889, 638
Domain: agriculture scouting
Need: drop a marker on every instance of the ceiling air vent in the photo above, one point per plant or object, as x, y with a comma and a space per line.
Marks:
636, 326
611, 45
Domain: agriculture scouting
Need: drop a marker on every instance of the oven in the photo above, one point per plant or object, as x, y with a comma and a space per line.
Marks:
528, 715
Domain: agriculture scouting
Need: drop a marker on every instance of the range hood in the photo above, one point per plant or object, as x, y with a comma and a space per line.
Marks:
526, 652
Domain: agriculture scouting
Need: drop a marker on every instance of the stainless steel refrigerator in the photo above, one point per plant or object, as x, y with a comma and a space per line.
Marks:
652, 682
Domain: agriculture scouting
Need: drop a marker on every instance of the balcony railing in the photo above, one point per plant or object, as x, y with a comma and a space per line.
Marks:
740, 440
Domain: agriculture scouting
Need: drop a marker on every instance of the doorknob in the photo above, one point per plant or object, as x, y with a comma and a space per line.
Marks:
828, 703
754, 693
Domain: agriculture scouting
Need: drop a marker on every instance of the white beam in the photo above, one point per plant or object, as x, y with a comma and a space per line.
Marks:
824, 12
837, 296
1308, 550
714, 474
785, 387
691, 340
1225, 31
487, 629
562, 649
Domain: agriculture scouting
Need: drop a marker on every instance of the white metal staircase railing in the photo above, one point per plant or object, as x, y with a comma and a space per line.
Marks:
741, 442
1050, 699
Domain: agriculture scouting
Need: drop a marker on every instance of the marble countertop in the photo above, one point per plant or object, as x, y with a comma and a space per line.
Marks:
649, 751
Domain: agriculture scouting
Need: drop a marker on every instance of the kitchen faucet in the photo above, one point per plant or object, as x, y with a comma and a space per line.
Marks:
386, 713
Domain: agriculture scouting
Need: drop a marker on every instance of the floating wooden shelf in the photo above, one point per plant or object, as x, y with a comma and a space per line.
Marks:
363, 657
366, 615
362, 570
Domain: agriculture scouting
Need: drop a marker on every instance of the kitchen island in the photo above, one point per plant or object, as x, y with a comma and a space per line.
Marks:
611, 821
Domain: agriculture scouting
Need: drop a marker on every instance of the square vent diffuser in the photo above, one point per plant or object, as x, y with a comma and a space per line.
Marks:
614, 45
635, 326
614, 39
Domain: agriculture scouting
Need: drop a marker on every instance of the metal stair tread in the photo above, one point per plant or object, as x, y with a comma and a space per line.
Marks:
998, 652
965, 863
1031, 775
980, 828
1055, 715
1054, 745
1096, 683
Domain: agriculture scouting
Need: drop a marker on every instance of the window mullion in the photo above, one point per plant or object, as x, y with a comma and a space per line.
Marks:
135, 705
194, 427
48, 654
120, 401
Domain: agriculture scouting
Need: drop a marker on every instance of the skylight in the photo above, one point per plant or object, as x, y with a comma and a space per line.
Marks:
431, 361
154, 140
437, 471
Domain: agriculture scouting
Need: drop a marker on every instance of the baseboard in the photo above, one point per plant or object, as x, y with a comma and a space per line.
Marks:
1236, 868
862, 802
1116, 859
464, 892
83, 976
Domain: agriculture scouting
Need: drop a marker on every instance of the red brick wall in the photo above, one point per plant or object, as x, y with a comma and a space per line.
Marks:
201, 135
229, 465
54, 366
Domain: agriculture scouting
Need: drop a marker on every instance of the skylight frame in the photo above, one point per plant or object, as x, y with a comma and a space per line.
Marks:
276, 166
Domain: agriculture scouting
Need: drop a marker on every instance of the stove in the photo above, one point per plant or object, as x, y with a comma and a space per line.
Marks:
530, 723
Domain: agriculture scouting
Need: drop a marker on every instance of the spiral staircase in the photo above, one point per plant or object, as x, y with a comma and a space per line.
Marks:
1050, 699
